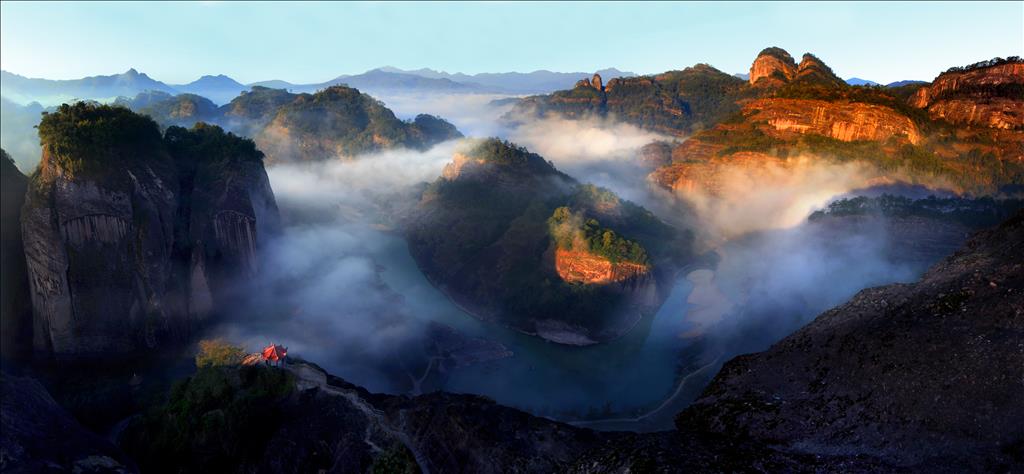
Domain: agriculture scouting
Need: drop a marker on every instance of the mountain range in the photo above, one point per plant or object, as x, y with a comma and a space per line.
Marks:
221, 89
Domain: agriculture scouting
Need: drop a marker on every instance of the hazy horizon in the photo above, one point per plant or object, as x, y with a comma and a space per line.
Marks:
312, 43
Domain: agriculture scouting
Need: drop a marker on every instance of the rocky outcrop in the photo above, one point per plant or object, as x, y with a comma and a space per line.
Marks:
772, 67
15, 306
812, 69
131, 239
851, 121
710, 177
37, 435
590, 269
999, 113
904, 373
980, 95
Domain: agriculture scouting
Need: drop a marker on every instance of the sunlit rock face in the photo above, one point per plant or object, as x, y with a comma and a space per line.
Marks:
842, 121
590, 269
773, 67
980, 96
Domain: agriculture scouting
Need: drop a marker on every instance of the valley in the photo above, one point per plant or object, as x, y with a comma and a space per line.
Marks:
773, 271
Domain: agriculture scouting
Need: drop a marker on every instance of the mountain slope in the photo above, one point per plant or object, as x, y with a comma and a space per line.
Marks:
921, 374
220, 89
514, 241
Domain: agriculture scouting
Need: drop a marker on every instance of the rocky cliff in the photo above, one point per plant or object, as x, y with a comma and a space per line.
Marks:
116, 235
843, 121
987, 94
587, 268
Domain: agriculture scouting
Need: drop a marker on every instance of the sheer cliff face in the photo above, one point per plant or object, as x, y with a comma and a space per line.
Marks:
130, 255
843, 121
99, 257
985, 97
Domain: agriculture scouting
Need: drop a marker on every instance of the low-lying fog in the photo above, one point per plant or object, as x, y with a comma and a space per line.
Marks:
341, 289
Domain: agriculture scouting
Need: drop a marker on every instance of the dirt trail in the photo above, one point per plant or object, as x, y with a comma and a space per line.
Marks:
308, 377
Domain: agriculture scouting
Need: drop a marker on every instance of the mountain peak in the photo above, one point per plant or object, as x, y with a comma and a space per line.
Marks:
772, 67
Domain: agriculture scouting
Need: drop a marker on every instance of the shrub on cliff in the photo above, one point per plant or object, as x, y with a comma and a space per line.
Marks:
572, 231
218, 352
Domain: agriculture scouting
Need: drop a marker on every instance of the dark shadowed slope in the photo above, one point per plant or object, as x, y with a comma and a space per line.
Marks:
923, 374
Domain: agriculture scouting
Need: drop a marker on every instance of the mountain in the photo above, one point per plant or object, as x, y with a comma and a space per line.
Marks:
342, 122
898, 379
905, 83
673, 103
514, 241
380, 80
536, 82
788, 111
987, 94
901, 373
338, 121
52, 92
172, 110
856, 81
137, 237
220, 89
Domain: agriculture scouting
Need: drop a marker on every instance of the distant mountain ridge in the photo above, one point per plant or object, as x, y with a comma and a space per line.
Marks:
221, 88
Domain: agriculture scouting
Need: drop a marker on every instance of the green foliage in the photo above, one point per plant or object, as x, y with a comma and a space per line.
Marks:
205, 143
396, 460
972, 212
572, 231
214, 421
434, 129
341, 120
502, 152
984, 64
90, 138
218, 352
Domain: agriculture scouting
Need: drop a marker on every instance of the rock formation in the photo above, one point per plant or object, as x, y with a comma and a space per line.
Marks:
988, 94
587, 268
128, 233
772, 67
843, 121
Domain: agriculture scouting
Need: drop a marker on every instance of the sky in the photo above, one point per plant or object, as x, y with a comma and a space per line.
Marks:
177, 42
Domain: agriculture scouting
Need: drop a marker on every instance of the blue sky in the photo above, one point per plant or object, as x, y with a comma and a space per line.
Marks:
313, 42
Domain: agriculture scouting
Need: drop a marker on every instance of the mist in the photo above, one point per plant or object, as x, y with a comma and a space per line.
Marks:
340, 288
